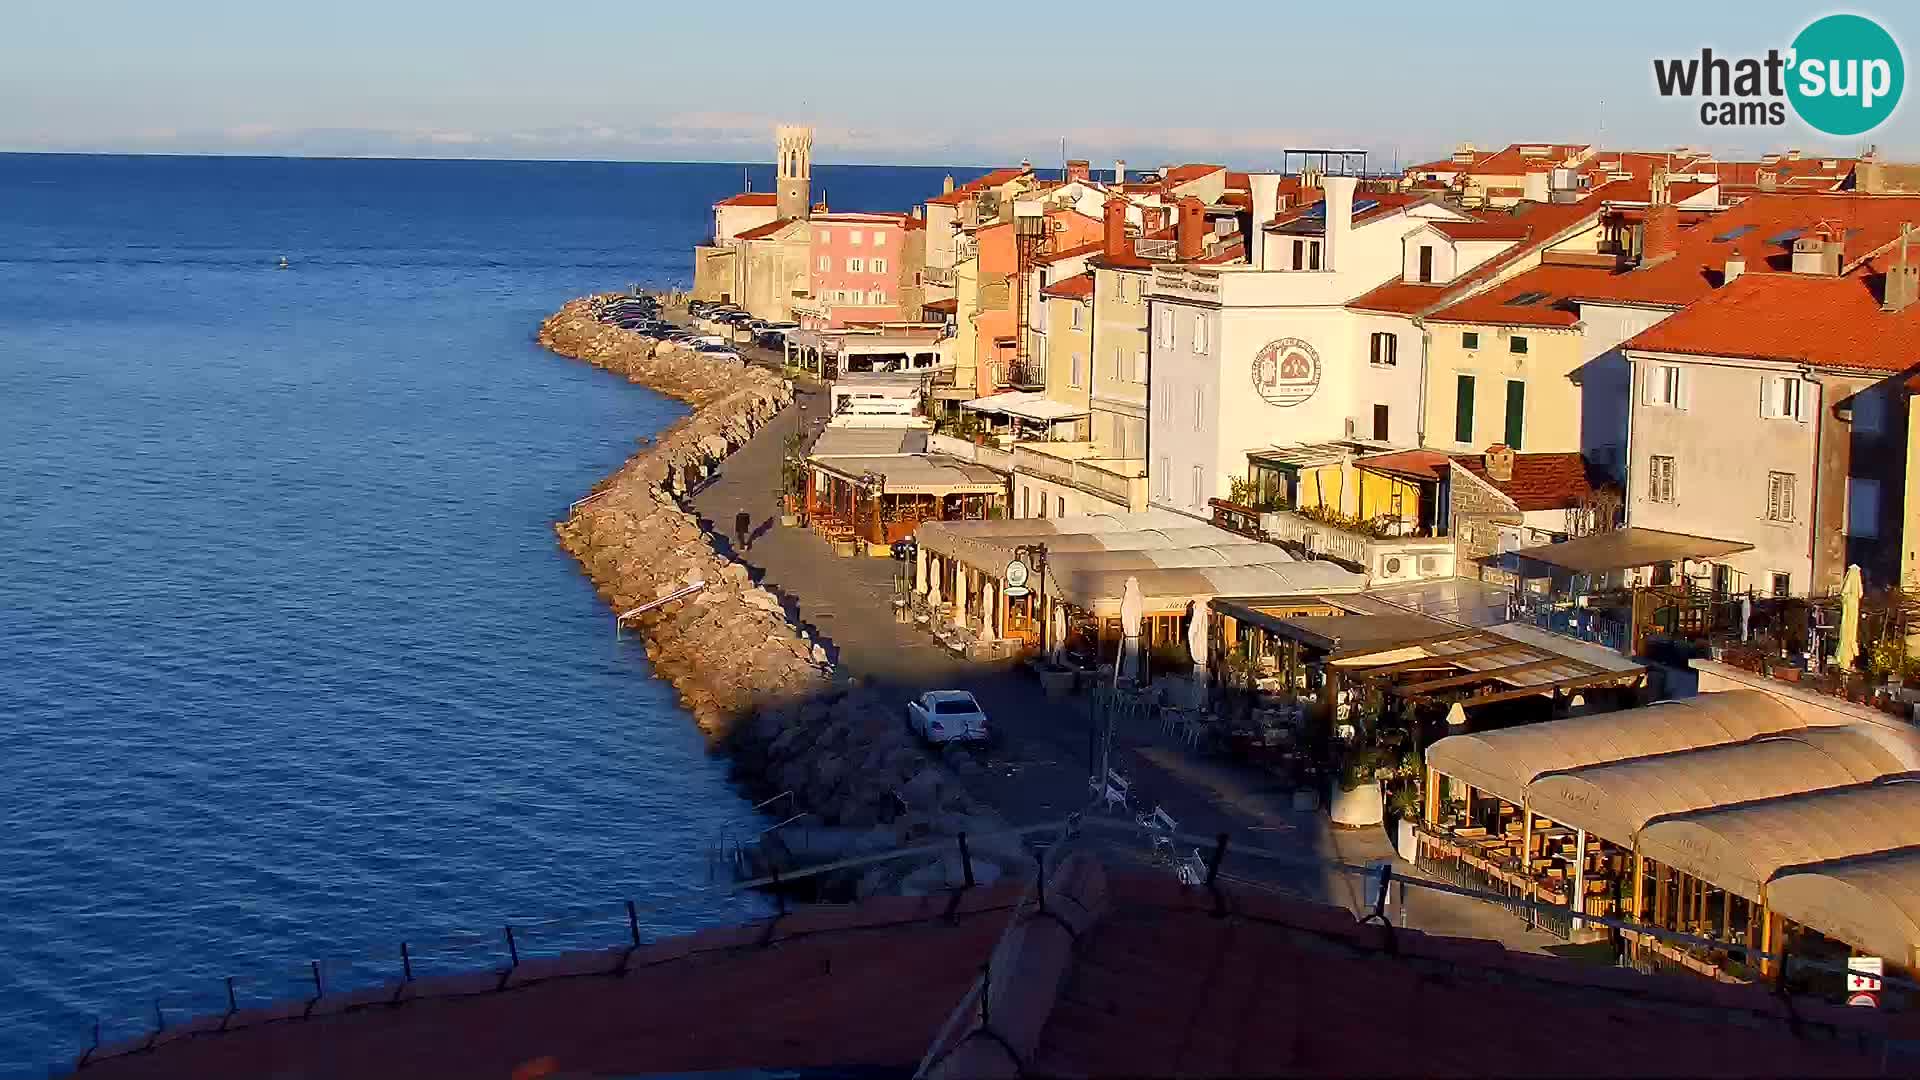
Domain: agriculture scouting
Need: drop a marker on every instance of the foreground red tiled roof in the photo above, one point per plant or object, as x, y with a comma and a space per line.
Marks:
1495, 306
1807, 172
1412, 464
1077, 287
966, 191
1181, 174
1827, 321
1502, 227
1544, 223
1540, 481
1640, 190
769, 229
1126, 974
749, 198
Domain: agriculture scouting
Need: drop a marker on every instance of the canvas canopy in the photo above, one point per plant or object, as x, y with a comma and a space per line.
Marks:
1504, 762
1615, 801
1871, 903
1629, 547
1739, 848
917, 474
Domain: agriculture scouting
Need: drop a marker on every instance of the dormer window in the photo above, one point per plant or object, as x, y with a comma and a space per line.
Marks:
1426, 264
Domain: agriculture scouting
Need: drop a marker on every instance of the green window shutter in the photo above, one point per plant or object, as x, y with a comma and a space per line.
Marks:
1516, 412
1463, 411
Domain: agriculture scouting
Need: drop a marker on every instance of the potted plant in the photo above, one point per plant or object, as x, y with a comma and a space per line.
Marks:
1405, 807
1355, 801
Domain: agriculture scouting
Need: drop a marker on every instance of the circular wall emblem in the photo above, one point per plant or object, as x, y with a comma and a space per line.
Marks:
1286, 372
1016, 579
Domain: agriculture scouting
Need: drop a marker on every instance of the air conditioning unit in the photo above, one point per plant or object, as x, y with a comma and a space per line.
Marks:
1429, 565
1353, 428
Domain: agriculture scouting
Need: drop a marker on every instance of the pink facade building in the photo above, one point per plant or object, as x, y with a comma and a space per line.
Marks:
857, 265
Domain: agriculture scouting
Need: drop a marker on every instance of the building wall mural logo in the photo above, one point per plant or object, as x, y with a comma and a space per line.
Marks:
1286, 372
1842, 75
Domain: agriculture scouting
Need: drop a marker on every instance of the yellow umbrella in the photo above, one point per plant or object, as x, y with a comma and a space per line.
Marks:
1848, 648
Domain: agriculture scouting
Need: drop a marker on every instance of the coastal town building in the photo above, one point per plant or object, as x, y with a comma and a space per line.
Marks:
862, 267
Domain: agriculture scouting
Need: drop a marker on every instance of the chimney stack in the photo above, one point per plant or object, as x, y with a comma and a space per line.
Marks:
1817, 254
946, 186
1078, 169
1660, 235
1736, 265
1189, 230
1903, 278
1265, 188
1114, 237
1119, 170
1339, 203
1535, 187
1499, 461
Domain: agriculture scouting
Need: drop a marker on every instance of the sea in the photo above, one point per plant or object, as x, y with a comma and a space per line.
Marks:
292, 671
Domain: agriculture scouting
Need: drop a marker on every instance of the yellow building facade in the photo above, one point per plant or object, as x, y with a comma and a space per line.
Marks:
1490, 382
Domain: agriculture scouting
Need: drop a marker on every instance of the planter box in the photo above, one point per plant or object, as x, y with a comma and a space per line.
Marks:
1784, 672
1407, 840
1358, 808
846, 549
789, 520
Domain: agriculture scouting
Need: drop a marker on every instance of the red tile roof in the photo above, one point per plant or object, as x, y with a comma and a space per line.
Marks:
1503, 227
749, 198
1182, 174
966, 191
1511, 162
769, 229
1494, 306
1237, 181
1640, 189
947, 307
1544, 221
1826, 321
1077, 287
1411, 464
1540, 481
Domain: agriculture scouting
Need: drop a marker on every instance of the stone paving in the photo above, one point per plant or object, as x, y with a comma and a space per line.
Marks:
1038, 769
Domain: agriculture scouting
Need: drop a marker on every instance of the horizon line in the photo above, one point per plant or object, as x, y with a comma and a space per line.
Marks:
495, 160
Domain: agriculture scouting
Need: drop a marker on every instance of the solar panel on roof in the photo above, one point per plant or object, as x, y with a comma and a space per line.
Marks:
1360, 206
1734, 233
1526, 298
1786, 237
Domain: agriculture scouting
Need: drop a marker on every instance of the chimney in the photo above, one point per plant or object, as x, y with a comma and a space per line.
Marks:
1816, 255
1339, 203
1903, 278
1114, 237
1535, 187
1119, 170
1736, 265
1660, 235
1190, 229
1793, 155
1266, 203
1078, 169
946, 186
919, 212
1767, 179
1499, 461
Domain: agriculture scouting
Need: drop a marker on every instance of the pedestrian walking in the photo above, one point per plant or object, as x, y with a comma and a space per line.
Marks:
743, 530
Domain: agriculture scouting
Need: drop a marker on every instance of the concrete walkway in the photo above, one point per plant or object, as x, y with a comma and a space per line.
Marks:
1038, 769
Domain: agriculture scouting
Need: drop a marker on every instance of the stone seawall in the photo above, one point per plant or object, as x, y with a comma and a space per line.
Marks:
757, 685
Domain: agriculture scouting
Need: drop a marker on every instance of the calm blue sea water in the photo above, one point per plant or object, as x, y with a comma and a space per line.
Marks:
290, 665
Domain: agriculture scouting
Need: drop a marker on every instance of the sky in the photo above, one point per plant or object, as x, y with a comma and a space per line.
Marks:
881, 82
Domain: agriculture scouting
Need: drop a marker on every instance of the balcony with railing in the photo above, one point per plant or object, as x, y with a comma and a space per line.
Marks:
1155, 249
1079, 466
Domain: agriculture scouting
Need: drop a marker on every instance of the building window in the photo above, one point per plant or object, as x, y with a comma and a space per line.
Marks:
1869, 413
1517, 345
1076, 370
1166, 331
1199, 407
1662, 386
1061, 506
1380, 423
1516, 412
825, 236
1075, 309
879, 266
1299, 254
1139, 365
1779, 496
1426, 263
1043, 504
876, 297
826, 262
879, 239
1469, 339
1385, 350
853, 236
1781, 397
1196, 487
1160, 476
1660, 479
1782, 584
1463, 409
1116, 363
1313, 254
1199, 333
1026, 501
1863, 508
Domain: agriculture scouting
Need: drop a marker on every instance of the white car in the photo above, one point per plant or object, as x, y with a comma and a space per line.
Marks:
943, 716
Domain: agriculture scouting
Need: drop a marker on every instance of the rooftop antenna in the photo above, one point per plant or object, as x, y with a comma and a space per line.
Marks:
1063, 157
746, 179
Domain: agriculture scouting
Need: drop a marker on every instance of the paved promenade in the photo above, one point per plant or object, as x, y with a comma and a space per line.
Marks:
1038, 770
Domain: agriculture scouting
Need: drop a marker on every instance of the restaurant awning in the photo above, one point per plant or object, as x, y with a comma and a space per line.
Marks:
1739, 848
1026, 405
840, 441
916, 474
1099, 591
1615, 801
1871, 903
1629, 547
1504, 762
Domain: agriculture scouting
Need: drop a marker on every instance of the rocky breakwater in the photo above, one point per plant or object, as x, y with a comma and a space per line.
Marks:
756, 684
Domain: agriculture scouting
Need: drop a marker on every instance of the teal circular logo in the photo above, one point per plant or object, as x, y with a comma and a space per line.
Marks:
1847, 75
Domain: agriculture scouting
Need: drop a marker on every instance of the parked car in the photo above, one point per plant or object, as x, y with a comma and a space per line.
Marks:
943, 716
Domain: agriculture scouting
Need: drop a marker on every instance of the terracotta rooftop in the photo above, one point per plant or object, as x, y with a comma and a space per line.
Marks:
947, 307
1125, 974
1075, 252
1503, 227
1181, 174
966, 191
1077, 287
1831, 322
1411, 464
769, 229
749, 198
1540, 481
1511, 162
1544, 222
1538, 297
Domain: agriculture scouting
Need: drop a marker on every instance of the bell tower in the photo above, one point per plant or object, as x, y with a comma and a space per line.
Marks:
794, 169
